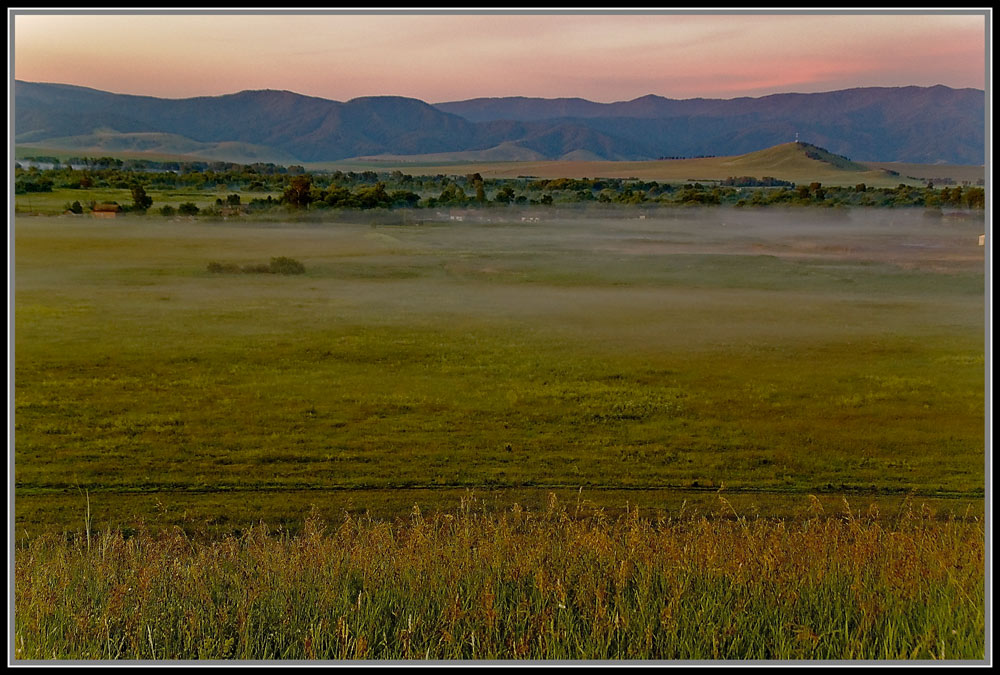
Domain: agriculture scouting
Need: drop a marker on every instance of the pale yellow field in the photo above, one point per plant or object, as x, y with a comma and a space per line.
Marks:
957, 172
783, 162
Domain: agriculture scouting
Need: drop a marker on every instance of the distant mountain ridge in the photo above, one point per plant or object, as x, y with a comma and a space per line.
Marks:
905, 124
923, 124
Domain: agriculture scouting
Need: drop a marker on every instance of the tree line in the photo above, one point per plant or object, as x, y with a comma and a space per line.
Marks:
263, 186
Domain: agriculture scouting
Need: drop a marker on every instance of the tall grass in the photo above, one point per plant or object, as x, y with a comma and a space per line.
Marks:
562, 583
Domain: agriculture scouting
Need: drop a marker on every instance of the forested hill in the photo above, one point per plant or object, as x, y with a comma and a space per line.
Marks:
907, 124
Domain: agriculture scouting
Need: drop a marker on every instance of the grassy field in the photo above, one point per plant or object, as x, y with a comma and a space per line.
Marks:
697, 434
650, 360
56, 201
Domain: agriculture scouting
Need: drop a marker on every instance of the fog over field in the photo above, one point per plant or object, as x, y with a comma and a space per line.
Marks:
686, 279
653, 279
777, 352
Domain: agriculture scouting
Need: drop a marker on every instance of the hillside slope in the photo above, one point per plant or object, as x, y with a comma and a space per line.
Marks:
794, 162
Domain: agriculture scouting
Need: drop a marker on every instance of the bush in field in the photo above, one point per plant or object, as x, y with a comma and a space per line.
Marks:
188, 209
279, 265
283, 265
167, 210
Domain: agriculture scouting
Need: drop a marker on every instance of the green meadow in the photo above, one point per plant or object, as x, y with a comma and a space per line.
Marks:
58, 200
770, 355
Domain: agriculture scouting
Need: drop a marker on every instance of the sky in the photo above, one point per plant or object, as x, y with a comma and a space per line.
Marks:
447, 57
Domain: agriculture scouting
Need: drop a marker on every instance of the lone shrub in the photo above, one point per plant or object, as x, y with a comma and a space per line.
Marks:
283, 265
188, 209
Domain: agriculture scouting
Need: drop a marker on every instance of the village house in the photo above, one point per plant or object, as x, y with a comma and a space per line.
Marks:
106, 210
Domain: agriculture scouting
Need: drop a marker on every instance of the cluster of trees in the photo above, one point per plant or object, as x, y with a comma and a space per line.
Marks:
968, 197
474, 191
31, 181
185, 209
106, 173
303, 193
862, 195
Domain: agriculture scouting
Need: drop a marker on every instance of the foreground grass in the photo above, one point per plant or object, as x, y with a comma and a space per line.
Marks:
561, 583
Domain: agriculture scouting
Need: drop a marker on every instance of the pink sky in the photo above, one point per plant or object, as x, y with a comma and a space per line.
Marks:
450, 57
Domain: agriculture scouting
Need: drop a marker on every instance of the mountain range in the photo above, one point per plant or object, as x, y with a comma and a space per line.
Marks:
901, 124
